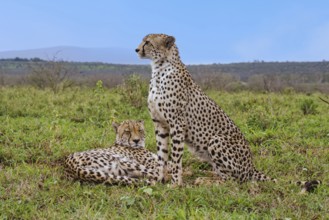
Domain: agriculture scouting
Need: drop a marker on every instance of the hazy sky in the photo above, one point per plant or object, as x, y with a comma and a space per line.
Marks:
206, 31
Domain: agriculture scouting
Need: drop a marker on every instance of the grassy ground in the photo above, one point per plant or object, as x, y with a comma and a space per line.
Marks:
38, 128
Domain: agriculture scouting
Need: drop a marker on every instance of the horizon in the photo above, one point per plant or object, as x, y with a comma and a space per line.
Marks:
22, 59
216, 32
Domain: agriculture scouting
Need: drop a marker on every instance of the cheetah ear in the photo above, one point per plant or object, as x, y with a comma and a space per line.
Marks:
141, 121
115, 126
169, 42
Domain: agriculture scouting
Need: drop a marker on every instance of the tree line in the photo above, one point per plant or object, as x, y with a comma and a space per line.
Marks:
257, 75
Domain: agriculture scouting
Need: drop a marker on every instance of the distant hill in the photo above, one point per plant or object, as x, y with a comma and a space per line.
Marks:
78, 54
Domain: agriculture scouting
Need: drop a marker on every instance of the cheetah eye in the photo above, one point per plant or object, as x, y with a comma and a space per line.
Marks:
148, 43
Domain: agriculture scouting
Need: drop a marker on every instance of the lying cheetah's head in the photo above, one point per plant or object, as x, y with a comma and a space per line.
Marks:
156, 46
130, 133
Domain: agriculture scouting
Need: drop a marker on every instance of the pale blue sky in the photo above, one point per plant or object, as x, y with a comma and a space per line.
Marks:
206, 31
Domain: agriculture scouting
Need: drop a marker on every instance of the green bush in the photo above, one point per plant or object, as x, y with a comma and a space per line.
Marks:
259, 119
134, 91
308, 107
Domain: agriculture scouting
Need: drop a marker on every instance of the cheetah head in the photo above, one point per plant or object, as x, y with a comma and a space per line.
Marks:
130, 133
156, 46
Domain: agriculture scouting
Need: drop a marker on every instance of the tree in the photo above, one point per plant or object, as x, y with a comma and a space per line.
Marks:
51, 74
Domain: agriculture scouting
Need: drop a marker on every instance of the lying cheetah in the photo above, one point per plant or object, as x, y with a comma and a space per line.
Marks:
182, 111
127, 162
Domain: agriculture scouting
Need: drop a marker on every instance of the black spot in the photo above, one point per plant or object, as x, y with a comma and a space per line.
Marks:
310, 186
163, 135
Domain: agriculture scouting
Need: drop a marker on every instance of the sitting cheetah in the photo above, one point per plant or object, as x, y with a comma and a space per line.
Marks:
127, 162
182, 111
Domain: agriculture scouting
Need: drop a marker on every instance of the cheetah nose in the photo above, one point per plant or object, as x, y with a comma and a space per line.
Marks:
137, 50
136, 141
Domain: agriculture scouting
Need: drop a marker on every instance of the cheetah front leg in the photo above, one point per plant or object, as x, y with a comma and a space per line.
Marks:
162, 139
177, 137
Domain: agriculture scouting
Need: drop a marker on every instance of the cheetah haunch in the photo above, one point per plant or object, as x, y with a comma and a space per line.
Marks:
182, 111
126, 163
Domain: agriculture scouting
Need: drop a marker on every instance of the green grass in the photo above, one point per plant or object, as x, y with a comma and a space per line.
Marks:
39, 128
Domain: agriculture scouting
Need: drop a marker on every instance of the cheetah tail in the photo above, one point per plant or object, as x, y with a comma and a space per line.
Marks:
259, 176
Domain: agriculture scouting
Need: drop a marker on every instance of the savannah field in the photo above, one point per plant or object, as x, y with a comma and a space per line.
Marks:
288, 134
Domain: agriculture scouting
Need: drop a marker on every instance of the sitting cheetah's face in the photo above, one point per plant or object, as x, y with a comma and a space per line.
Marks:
130, 133
155, 46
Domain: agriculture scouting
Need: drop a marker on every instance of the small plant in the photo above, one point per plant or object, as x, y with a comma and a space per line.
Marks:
308, 107
99, 90
98, 108
288, 91
134, 91
259, 121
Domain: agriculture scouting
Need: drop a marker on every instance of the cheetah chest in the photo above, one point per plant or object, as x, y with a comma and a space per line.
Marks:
154, 98
157, 95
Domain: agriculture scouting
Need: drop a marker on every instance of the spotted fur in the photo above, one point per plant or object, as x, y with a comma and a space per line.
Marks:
127, 162
182, 111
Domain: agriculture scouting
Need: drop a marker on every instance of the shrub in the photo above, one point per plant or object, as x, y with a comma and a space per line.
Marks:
288, 90
236, 86
308, 107
134, 91
259, 120
51, 74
